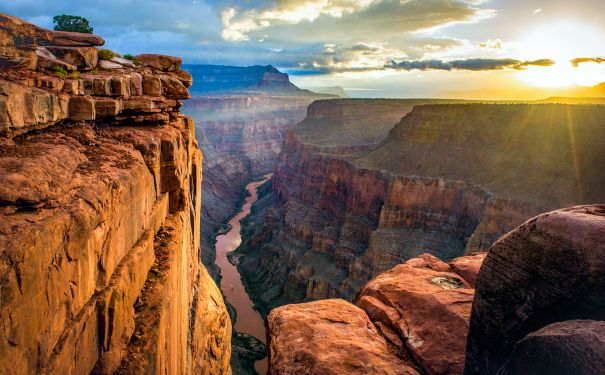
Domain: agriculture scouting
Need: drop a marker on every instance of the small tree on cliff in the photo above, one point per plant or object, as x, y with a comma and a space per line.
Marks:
78, 24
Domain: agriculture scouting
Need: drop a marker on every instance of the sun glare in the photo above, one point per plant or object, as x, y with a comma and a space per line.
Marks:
563, 41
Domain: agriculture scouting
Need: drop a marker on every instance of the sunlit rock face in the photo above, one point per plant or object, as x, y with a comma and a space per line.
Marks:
449, 179
408, 320
100, 205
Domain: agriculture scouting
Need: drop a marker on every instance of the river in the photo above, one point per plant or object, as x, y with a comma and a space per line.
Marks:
248, 320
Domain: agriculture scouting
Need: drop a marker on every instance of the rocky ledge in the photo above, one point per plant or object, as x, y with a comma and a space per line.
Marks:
537, 309
100, 202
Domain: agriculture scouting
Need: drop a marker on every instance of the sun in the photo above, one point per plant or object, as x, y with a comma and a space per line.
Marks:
562, 41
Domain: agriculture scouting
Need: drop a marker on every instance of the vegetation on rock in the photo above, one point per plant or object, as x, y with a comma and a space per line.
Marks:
76, 24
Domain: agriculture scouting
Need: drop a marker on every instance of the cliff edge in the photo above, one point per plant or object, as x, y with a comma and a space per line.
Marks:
100, 201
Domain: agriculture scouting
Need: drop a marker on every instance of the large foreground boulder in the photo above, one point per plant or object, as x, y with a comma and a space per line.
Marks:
550, 269
570, 347
328, 337
424, 308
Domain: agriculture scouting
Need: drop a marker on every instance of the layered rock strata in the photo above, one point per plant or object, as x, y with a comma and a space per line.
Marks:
449, 179
100, 213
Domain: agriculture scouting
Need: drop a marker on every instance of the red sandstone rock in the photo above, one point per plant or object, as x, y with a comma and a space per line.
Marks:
160, 62
99, 223
152, 85
15, 31
184, 77
173, 88
84, 58
468, 266
82, 108
551, 268
569, 347
328, 337
428, 306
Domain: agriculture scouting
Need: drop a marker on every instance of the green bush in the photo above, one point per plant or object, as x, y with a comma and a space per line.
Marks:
74, 74
106, 54
128, 56
77, 24
60, 71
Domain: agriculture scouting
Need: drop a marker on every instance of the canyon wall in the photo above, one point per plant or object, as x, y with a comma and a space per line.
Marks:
449, 179
100, 212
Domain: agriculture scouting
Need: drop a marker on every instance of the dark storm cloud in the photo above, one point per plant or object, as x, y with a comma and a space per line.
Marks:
468, 64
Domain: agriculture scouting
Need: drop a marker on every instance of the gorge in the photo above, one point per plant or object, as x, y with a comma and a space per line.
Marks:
272, 229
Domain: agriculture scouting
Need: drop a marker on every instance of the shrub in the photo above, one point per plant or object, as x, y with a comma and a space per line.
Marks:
74, 74
128, 56
60, 71
106, 54
77, 24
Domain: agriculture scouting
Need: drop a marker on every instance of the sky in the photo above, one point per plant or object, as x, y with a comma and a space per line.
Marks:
381, 48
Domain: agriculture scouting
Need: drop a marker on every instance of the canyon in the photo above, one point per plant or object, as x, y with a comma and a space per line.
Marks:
241, 114
272, 229
339, 211
100, 213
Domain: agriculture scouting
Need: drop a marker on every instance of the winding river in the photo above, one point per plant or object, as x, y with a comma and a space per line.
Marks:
248, 320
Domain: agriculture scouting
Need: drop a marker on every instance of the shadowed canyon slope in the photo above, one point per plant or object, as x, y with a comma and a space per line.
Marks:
448, 179
99, 215
241, 115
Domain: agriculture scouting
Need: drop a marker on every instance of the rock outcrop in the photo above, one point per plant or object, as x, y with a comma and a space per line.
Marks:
328, 337
99, 217
551, 269
336, 220
427, 305
569, 347
411, 319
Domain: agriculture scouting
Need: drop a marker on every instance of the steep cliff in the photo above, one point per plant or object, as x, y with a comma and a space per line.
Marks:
448, 179
99, 214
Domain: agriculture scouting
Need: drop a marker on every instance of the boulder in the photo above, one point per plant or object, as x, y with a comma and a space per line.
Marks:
185, 77
428, 305
122, 61
569, 347
109, 65
328, 337
47, 61
136, 84
85, 58
551, 268
82, 108
160, 62
152, 85
468, 266
107, 107
173, 88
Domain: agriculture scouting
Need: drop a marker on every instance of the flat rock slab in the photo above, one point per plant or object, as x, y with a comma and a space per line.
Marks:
161, 62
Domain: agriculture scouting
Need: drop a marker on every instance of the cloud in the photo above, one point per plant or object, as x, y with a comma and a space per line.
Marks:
345, 21
580, 60
468, 64
491, 44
